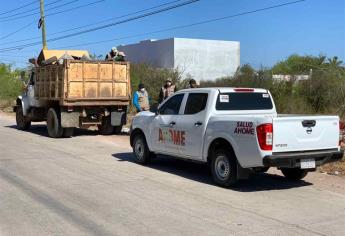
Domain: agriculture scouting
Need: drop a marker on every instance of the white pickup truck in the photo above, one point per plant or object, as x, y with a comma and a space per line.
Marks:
236, 131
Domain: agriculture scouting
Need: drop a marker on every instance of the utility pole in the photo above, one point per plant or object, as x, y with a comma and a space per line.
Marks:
43, 25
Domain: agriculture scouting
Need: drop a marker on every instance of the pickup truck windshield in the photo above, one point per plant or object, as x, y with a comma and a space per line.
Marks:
244, 101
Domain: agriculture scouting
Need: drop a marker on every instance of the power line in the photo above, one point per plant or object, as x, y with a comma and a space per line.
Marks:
102, 27
27, 11
117, 17
18, 30
84, 26
188, 25
36, 13
15, 9
75, 8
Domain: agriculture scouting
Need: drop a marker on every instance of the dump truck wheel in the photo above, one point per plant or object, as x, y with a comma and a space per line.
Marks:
106, 128
54, 124
117, 129
224, 168
294, 173
68, 132
23, 123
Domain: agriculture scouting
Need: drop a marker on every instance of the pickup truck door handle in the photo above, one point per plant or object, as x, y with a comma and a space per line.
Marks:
198, 123
172, 123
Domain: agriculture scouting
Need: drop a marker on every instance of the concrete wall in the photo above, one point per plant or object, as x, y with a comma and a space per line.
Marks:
159, 54
202, 59
206, 59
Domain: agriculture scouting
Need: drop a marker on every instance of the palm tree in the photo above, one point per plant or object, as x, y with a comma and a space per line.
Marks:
334, 62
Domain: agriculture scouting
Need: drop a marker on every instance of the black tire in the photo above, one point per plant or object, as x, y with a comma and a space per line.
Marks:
68, 132
294, 173
141, 150
54, 123
106, 128
23, 123
117, 129
224, 168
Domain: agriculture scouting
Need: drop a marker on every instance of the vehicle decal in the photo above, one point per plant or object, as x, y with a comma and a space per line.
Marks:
171, 136
224, 98
244, 127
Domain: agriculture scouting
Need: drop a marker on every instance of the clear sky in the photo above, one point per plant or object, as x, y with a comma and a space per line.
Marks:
311, 27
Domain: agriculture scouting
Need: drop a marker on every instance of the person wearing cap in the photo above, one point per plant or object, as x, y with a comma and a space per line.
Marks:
167, 90
115, 55
141, 99
192, 84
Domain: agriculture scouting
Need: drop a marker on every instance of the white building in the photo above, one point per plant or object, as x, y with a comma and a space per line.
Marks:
201, 59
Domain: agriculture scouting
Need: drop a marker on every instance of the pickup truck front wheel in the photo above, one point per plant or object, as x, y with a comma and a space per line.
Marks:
140, 149
294, 173
224, 168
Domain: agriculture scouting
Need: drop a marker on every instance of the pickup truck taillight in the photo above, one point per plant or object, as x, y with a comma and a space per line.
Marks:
264, 133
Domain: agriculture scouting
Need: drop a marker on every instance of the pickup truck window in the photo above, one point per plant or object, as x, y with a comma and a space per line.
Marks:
196, 103
244, 101
172, 106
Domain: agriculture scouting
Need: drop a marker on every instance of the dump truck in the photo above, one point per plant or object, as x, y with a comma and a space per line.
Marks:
68, 90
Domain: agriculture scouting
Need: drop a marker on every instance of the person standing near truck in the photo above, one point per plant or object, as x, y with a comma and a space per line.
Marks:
141, 99
167, 90
192, 84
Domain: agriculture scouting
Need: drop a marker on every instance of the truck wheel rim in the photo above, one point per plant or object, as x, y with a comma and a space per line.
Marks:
139, 149
222, 167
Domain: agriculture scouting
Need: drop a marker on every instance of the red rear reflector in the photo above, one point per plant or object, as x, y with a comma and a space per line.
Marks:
243, 90
264, 133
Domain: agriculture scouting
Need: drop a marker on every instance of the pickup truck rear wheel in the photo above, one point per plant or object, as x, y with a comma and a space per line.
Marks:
106, 128
54, 124
141, 150
294, 173
23, 123
224, 168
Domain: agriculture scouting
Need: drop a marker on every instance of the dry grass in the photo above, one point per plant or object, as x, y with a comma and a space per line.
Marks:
335, 168
6, 105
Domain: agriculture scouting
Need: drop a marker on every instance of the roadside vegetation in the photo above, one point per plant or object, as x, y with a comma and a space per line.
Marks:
323, 92
10, 85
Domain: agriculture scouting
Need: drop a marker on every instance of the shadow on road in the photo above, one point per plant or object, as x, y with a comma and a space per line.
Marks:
200, 172
42, 130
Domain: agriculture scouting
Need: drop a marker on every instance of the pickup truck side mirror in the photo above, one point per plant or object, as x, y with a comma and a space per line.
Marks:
154, 109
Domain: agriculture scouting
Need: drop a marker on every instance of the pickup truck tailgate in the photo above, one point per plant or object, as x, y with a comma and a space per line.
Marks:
304, 133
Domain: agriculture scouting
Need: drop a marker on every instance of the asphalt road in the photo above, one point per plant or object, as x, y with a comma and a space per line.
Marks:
89, 185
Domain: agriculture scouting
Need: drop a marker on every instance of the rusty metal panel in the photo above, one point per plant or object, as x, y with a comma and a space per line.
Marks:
120, 90
106, 89
120, 73
87, 81
106, 72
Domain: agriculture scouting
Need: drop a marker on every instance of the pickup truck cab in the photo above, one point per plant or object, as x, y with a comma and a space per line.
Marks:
236, 131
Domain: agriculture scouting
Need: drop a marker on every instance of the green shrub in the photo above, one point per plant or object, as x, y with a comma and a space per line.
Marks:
10, 84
